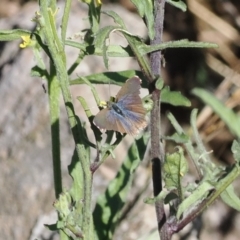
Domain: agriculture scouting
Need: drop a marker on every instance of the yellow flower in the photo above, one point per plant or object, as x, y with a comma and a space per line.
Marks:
98, 2
26, 41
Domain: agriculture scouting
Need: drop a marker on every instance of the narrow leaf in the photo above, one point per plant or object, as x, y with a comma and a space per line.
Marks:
76, 172
112, 51
145, 9
196, 197
117, 19
174, 98
10, 35
178, 138
140, 7
100, 41
117, 78
159, 83
230, 198
236, 150
109, 205
228, 116
145, 49
178, 4
175, 167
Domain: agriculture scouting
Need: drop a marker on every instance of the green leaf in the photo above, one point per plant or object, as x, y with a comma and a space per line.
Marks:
109, 205
135, 43
112, 51
230, 174
94, 15
100, 41
228, 116
62, 204
174, 98
10, 35
194, 199
145, 49
36, 71
165, 196
76, 172
140, 7
145, 10
189, 147
103, 34
159, 83
230, 198
117, 19
117, 78
175, 167
236, 150
178, 138
197, 156
178, 4
70, 215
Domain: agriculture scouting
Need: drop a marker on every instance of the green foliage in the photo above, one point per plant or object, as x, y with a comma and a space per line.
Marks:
178, 4
184, 43
145, 10
174, 98
175, 167
230, 198
231, 119
214, 181
109, 206
75, 217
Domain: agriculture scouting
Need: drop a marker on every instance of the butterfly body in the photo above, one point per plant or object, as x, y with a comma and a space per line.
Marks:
126, 114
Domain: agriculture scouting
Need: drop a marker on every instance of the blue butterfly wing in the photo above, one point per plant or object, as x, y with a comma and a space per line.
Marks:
133, 118
108, 119
127, 115
131, 86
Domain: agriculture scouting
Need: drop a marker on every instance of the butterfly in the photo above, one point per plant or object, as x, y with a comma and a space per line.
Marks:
126, 114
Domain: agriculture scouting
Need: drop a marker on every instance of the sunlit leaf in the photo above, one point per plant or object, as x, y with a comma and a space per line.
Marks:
117, 19
145, 10
236, 150
194, 199
230, 198
184, 43
10, 35
159, 84
178, 138
175, 167
109, 205
178, 4
174, 98
228, 116
117, 78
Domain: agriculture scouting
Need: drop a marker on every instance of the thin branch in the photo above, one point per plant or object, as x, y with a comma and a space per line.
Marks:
157, 152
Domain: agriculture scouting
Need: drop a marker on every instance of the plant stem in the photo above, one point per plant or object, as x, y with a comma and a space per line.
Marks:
157, 152
56, 50
54, 93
